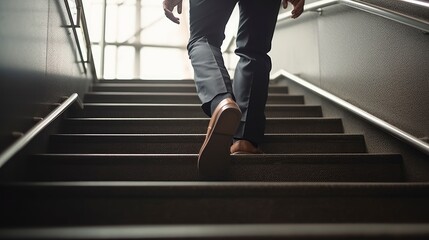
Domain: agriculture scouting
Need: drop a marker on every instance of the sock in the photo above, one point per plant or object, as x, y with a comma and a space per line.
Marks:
216, 100
253, 143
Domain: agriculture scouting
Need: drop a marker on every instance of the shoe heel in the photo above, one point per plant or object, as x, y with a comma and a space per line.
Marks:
228, 122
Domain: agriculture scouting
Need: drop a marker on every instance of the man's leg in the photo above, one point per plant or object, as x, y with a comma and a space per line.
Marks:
257, 23
207, 25
208, 19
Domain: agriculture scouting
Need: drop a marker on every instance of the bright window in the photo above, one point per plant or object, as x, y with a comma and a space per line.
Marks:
133, 39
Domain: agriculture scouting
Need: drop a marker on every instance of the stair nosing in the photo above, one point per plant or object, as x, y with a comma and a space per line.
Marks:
342, 159
169, 84
241, 155
229, 231
215, 184
225, 189
201, 134
196, 119
128, 93
144, 85
187, 105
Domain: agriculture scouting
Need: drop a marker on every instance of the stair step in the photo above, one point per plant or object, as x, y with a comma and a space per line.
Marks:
191, 143
193, 125
227, 231
171, 167
135, 97
184, 110
125, 167
166, 87
146, 81
144, 87
110, 203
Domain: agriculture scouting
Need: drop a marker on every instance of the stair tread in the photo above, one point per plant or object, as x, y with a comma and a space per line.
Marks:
180, 202
227, 189
194, 125
160, 81
420, 188
173, 97
191, 119
144, 87
345, 158
226, 231
185, 110
143, 84
271, 136
191, 143
182, 167
186, 105
152, 84
244, 158
184, 137
156, 81
172, 94
158, 86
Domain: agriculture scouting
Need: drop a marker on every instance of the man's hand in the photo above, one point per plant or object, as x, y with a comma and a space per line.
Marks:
298, 7
169, 5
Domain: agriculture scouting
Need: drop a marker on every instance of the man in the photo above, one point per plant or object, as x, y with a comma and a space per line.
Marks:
236, 108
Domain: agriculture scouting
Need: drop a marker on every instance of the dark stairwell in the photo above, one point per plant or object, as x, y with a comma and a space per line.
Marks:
124, 167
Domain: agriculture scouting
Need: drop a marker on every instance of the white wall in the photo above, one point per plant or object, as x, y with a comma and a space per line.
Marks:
377, 64
39, 63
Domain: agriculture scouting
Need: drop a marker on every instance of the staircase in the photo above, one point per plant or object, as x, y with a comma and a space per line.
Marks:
125, 168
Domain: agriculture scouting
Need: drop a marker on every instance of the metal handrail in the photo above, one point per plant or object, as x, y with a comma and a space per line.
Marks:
417, 2
370, 8
389, 128
36, 129
81, 23
82, 19
73, 26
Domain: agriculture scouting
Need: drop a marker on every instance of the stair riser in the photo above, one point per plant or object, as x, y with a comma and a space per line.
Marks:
191, 144
195, 126
186, 112
185, 99
290, 169
105, 206
177, 88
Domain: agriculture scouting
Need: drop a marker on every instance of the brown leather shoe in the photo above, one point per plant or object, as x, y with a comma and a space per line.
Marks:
214, 156
244, 147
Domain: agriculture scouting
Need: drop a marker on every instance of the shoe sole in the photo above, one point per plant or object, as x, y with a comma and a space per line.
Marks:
214, 157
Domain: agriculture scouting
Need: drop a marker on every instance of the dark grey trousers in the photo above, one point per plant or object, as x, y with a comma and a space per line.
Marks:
250, 86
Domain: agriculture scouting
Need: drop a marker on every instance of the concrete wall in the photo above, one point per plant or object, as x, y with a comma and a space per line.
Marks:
39, 63
376, 64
